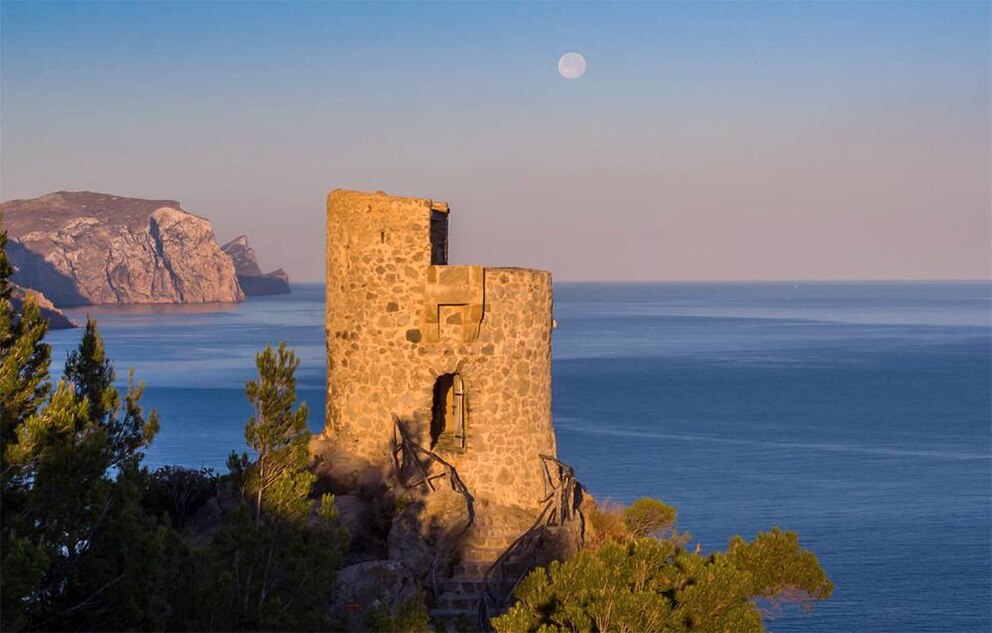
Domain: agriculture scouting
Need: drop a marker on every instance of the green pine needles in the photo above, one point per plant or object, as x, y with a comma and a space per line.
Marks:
78, 552
24, 356
278, 434
285, 556
638, 575
91, 375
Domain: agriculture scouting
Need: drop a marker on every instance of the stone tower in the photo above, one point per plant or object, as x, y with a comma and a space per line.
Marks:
458, 355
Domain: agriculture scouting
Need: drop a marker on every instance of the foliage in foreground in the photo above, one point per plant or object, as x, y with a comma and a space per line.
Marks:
632, 582
272, 565
278, 479
409, 616
276, 576
77, 548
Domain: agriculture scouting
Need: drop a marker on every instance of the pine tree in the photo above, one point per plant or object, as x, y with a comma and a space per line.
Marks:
24, 356
24, 384
120, 578
272, 571
73, 536
92, 376
56, 498
92, 556
279, 479
77, 552
276, 576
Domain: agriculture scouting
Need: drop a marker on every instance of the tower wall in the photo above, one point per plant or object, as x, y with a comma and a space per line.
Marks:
396, 322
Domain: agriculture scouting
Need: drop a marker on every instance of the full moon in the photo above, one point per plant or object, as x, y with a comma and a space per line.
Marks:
572, 65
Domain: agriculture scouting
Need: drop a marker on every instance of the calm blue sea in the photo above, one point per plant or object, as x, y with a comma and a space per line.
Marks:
855, 413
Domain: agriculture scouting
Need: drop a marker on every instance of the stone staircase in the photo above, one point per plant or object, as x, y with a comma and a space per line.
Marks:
490, 535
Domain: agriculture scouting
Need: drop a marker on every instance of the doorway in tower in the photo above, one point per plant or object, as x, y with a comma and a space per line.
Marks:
448, 416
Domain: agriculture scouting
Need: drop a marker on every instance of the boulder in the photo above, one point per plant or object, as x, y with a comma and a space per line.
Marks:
372, 587
82, 248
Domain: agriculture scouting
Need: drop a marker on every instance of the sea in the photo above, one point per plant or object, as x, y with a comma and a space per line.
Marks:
857, 414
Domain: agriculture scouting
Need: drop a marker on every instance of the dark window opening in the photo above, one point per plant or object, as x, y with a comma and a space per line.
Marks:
448, 415
439, 238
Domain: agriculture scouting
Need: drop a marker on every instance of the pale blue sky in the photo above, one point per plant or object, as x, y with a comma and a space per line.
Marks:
706, 140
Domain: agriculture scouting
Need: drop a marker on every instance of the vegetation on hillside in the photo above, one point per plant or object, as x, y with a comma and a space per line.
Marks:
638, 575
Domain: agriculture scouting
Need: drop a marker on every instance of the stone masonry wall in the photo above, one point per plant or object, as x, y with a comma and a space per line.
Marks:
384, 298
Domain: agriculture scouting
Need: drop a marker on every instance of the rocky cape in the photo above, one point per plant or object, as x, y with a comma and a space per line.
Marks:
57, 320
253, 281
84, 248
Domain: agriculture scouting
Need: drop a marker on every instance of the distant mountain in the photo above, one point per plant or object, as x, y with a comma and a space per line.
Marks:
250, 276
82, 248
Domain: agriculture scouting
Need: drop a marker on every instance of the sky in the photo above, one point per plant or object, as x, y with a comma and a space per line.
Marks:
706, 141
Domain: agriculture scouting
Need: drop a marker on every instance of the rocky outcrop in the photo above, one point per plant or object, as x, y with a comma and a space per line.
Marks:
273, 283
407, 544
370, 588
57, 320
84, 248
253, 281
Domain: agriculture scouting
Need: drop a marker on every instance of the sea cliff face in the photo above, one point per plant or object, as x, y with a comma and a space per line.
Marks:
253, 281
81, 248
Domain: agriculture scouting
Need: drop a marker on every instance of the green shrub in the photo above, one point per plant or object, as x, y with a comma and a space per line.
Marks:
647, 584
607, 524
649, 517
179, 492
411, 616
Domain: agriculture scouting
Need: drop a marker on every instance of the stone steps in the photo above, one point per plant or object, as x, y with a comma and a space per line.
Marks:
488, 538
482, 554
479, 531
492, 537
458, 586
496, 520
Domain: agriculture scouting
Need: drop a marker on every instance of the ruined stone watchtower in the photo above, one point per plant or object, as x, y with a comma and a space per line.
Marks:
459, 355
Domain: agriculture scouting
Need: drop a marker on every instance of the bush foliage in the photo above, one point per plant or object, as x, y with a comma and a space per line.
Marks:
630, 580
178, 492
649, 517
